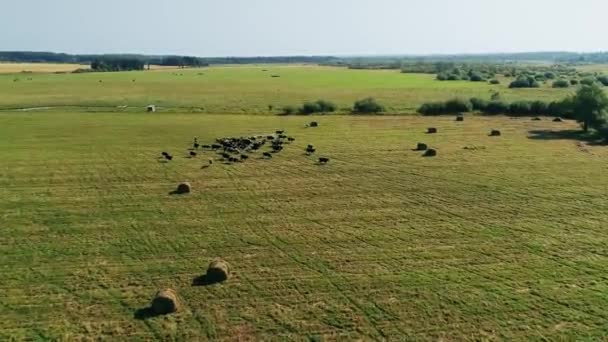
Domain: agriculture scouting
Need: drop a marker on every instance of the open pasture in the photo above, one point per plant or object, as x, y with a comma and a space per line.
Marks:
245, 89
502, 240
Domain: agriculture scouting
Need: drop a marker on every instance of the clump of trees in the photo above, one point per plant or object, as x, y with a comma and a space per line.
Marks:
368, 106
496, 106
308, 108
561, 83
117, 64
589, 106
525, 82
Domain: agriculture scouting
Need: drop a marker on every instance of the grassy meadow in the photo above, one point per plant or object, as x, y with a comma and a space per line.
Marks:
504, 240
244, 89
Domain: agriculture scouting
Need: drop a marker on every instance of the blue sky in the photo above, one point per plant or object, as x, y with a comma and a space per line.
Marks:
311, 27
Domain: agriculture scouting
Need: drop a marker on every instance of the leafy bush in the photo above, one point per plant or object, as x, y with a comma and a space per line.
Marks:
524, 82
588, 81
368, 106
454, 77
449, 107
476, 78
326, 106
520, 108
442, 77
478, 104
573, 82
603, 80
497, 107
319, 106
561, 83
539, 108
310, 108
494, 81
432, 108
550, 75
458, 106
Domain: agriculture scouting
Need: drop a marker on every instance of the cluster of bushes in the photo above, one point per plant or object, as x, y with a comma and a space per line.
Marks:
494, 107
307, 108
368, 106
365, 106
117, 64
525, 82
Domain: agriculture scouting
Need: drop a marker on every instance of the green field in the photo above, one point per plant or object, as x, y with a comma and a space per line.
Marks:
244, 90
504, 240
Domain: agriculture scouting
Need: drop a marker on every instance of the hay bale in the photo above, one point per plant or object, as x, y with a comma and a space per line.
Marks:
421, 147
495, 133
430, 153
184, 188
558, 120
218, 271
432, 130
165, 302
460, 117
151, 108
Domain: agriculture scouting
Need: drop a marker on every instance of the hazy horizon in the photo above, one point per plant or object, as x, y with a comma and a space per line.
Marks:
341, 28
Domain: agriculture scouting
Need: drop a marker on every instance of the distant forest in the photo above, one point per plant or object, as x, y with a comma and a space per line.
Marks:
181, 61
364, 62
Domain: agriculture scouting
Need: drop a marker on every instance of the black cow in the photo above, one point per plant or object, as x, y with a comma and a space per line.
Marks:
323, 160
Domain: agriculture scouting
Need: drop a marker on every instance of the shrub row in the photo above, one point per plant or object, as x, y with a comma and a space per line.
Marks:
519, 108
365, 106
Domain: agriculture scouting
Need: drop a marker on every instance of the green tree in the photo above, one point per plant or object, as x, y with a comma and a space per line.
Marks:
590, 104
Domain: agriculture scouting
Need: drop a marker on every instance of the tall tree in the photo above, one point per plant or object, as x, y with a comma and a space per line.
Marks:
589, 105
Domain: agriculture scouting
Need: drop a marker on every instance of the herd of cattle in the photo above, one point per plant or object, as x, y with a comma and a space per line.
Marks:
235, 150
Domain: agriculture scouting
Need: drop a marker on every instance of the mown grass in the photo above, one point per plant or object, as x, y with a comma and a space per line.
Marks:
15, 68
502, 241
248, 89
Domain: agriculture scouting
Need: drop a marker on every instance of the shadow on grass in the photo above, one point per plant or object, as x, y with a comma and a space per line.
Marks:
145, 313
205, 280
593, 138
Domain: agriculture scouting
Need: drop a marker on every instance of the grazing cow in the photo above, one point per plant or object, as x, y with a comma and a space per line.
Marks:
196, 145
314, 124
421, 147
267, 155
270, 137
244, 157
558, 120
279, 132
536, 119
323, 160
192, 154
169, 157
225, 155
495, 133
291, 139
210, 161
432, 130
460, 118
206, 146
164, 154
216, 146
233, 160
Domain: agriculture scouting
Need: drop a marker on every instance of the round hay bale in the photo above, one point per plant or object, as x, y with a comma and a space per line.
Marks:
495, 133
460, 117
431, 130
430, 153
165, 302
218, 271
184, 188
421, 147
